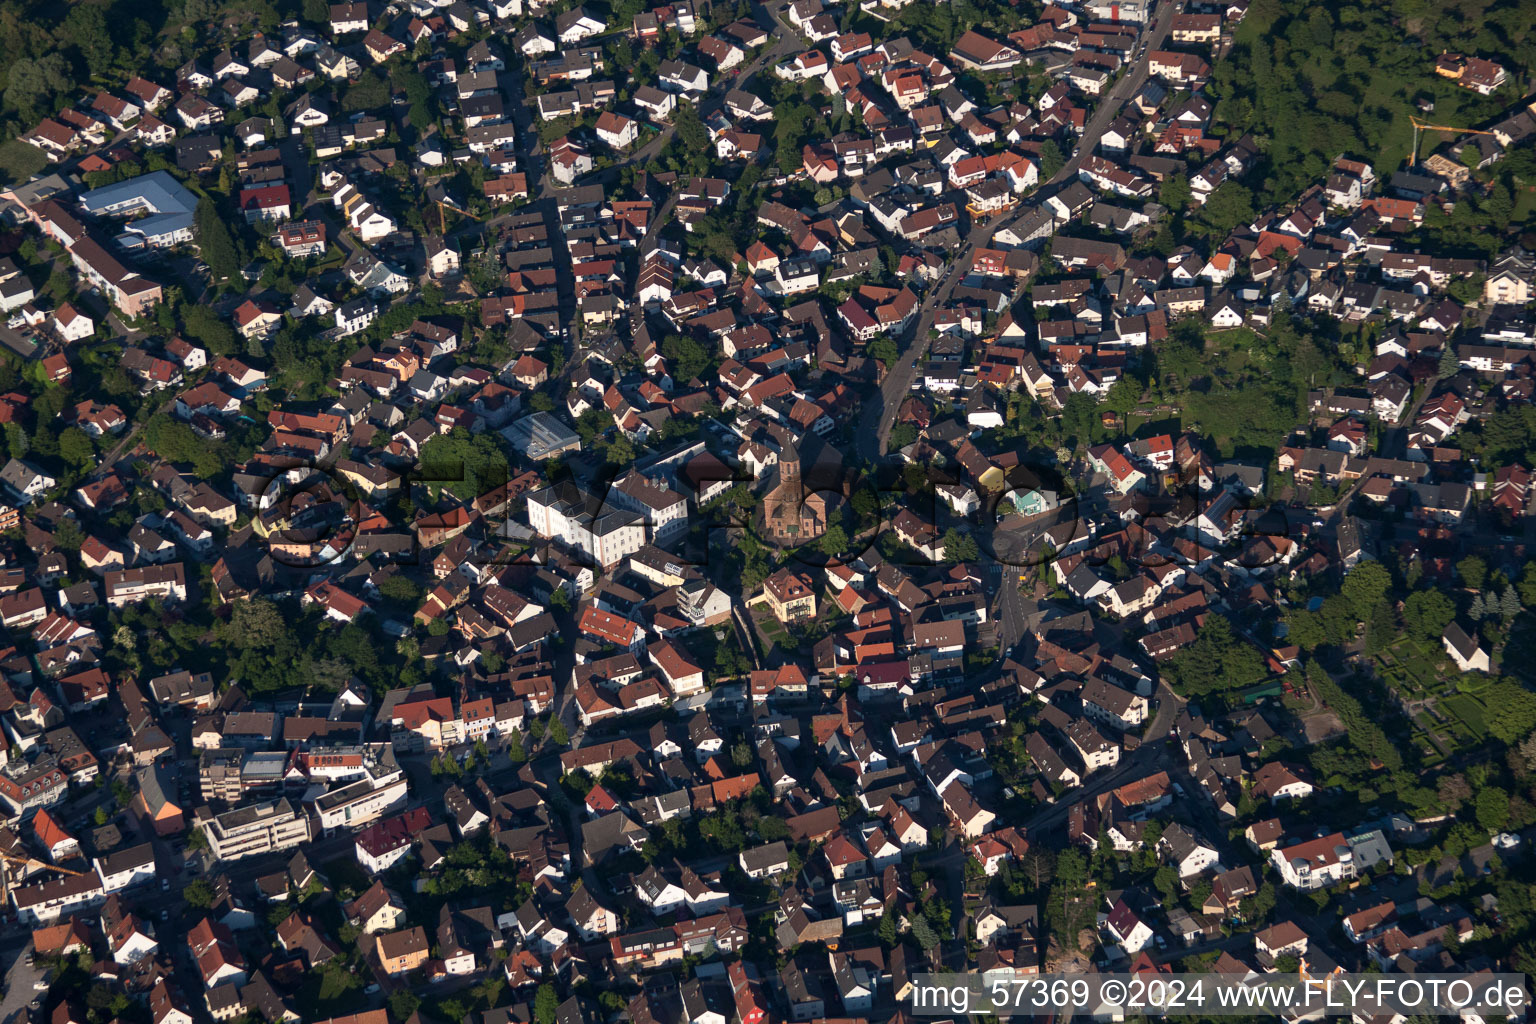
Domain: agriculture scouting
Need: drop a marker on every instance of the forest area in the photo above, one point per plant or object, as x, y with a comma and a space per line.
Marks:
1313, 81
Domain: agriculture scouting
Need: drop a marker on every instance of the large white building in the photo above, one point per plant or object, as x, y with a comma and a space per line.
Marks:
1316, 863
45, 902
257, 829
361, 802
604, 532
167, 209
663, 508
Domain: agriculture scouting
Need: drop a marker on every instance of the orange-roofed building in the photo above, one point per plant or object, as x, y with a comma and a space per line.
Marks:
610, 628
57, 840
61, 939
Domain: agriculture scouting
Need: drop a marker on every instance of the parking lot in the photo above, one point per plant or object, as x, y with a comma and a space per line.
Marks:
19, 979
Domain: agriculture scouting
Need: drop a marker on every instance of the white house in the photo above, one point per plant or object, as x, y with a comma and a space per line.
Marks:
126, 868
348, 18
678, 77
1465, 650
1283, 938
25, 481
73, 325
1316, 863
659, 893
616, 130
574, 26
1127, 928
356, 315
1189, 852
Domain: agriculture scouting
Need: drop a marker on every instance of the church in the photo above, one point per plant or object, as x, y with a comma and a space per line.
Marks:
791, 514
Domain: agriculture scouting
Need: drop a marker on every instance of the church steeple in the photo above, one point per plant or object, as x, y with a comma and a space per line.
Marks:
789, 466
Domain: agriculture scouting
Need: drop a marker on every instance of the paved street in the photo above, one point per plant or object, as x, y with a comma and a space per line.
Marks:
1138, 764
879, 412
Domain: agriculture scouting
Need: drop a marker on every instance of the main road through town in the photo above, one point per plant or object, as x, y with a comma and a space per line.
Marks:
879, 413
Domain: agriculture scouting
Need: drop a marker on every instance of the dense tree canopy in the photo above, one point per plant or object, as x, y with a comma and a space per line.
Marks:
1218, 661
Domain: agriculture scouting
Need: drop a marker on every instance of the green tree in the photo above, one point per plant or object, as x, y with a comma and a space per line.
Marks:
1051, 160
33, 86
619, 450
1473, 571
69, 536
834, 542
902, 434
1511, 710
75, 447
403, 1002
198, 893
1305, 629
17, 445
545, 1004
368, 92
1492, 809
1218, 660
884, 350
400, 590
474, 463
690, 129
1230, 206
959, 547
1124, 395
200, 323
85, 28
1426, 613
1449, 364
215, 242
1174, 192
1527, 585
256, 624
1366, 584
685, 357
1380, 628
421, 108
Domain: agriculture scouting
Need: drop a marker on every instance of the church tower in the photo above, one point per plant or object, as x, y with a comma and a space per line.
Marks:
789, 469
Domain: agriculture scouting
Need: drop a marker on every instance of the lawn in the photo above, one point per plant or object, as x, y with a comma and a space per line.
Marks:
328, 993
1411, 670
1468, 711
19, 161
1525, 204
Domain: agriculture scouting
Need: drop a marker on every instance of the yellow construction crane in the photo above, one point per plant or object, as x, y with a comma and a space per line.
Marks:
1420, 126
28, 862
440, 198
